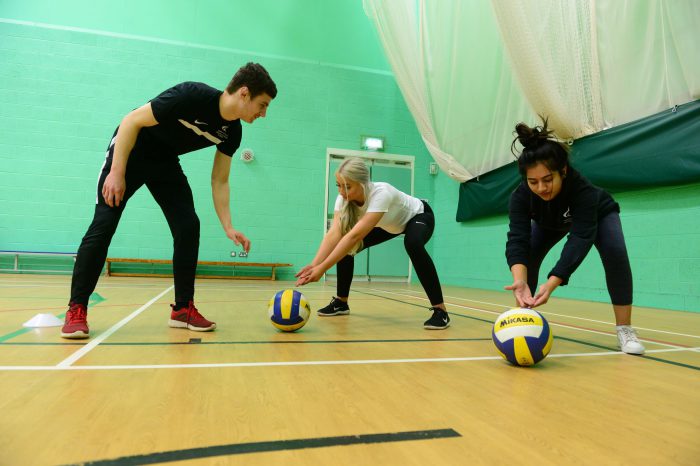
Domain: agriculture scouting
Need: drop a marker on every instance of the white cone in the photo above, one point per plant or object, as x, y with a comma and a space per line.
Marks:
43, 320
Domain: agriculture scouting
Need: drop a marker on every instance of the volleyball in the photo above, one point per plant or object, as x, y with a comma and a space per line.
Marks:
289, 310
522, 336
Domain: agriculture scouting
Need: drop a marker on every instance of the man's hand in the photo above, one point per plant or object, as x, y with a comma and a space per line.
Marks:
238, 238
113, 189
521, 292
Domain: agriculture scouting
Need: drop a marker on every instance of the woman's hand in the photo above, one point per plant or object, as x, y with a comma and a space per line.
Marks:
309, 274
542, 296
304, 271
546, 290
521, 292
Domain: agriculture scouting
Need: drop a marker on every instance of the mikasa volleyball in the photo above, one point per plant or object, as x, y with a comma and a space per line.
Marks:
522, 336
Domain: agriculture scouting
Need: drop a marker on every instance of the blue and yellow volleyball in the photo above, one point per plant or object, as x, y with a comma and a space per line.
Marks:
289, 310
522, 336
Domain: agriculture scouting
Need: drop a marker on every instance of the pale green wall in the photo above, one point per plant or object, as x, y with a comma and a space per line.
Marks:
320, 31
63, 91
662, 232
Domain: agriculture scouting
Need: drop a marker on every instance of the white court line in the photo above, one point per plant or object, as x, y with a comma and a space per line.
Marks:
551, 323
543, 312
104, 335
310, 363
252, 287
580, 318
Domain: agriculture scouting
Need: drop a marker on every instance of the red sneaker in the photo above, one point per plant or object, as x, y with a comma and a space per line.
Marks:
189, 317
76, 325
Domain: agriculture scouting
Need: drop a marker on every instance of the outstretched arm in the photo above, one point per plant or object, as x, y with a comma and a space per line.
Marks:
330, 240
220, 191
314, 272
115, 184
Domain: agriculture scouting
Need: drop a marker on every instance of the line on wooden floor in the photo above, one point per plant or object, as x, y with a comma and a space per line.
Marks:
275, 445
338, 362
107, 333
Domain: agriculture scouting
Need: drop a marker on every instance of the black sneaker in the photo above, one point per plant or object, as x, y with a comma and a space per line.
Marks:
439, 321
335, 308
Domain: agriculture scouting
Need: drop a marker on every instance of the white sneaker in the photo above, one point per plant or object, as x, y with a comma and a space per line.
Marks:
628, 341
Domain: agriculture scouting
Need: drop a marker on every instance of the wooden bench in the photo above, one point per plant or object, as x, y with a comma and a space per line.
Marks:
271, 265
18, 254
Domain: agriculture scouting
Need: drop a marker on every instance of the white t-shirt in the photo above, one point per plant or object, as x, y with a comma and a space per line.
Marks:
397, 206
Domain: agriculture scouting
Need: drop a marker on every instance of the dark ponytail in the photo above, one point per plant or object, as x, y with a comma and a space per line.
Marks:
539, 147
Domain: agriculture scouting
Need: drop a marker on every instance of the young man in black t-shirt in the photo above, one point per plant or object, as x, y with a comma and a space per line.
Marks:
145, 149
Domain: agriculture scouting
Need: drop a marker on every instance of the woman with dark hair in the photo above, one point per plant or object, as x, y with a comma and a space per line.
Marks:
555, 200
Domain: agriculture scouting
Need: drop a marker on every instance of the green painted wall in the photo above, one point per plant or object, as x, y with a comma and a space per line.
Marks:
315, 30
70, 70
662, 231
63, 91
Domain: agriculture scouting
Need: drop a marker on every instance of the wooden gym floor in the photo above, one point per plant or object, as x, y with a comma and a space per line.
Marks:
373, 387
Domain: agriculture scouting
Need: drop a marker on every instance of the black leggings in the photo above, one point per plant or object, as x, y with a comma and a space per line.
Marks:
610, 243
164, 178
418, 232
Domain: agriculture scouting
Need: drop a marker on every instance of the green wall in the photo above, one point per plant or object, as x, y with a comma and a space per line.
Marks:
662, 232
64, 87
319, 31
70, 70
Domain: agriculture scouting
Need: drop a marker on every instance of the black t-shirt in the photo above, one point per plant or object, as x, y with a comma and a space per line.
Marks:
576, 209
188, 119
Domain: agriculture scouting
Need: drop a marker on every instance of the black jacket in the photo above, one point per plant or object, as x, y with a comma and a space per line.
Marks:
576, 209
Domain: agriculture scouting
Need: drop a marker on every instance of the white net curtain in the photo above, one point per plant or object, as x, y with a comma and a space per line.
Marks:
471, 69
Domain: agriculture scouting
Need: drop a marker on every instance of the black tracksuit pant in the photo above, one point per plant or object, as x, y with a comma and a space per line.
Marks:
418, 232
164, 178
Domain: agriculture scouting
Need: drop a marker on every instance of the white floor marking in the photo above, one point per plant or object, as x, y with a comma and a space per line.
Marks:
106, 334
546, 313
67, 364
311, 363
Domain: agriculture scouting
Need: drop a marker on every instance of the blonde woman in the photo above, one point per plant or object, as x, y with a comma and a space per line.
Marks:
366, 214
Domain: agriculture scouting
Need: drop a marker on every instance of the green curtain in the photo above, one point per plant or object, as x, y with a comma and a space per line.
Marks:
660, 150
